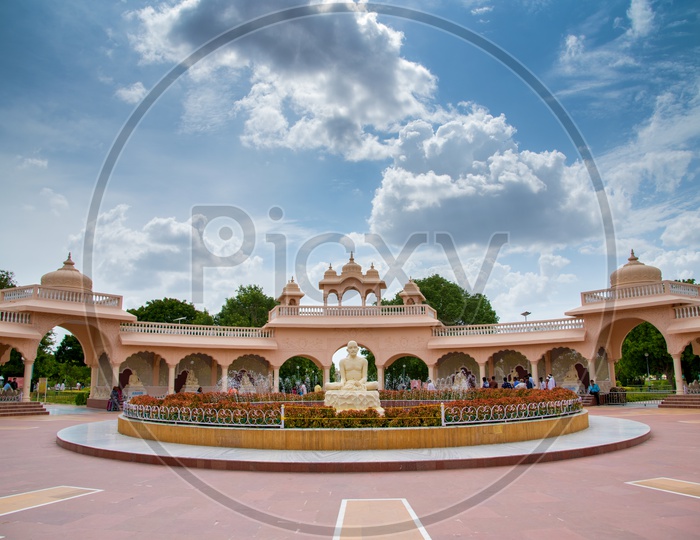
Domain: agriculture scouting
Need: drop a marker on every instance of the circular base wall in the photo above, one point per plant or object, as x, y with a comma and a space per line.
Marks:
354, 439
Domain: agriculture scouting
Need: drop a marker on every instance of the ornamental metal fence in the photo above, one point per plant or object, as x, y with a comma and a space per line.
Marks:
205, 416
274, 418
10, 396
489, 414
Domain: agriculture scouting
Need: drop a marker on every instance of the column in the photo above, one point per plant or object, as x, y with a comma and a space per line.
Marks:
591, 369
432, 373
326, 374
155, 372
171, 379
276, 378
115, 375
535, 372
94, 374
224, 375
27, 386
678, 372
380, 377
548, 362
482, 374
611, 371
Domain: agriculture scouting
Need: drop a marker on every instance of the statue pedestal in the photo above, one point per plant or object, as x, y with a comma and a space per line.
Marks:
134, 390
346, 400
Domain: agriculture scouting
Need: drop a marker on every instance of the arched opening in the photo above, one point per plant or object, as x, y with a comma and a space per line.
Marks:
570, 369
645, 360
351, 297
457, 369
405, 373
300, 375
511, 365
203, 371
250, 374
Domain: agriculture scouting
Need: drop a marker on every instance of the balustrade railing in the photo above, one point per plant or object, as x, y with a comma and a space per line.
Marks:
639, 291
15, 317
351, 311
508, 328
452, 416
144, 327
687, 312
61, 295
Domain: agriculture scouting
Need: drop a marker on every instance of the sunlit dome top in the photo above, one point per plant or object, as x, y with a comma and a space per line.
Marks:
351, 267
67, 277
330, 272
634, 273
372, 272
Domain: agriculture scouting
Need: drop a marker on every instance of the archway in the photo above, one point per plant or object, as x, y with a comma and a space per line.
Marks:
511, 365
405, 373
249, 373
456, 365
299, 373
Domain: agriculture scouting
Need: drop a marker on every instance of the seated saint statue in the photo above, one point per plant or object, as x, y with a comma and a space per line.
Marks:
134, 380
353, 372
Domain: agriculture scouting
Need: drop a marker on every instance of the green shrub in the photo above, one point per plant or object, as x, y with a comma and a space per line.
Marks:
81, 398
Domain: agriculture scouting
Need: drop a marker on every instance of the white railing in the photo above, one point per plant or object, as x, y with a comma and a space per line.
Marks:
16, 317
11, 396
639, 291
61, 295
488, 414
351, 311
687, 312
508, 328
205, 416
194, 330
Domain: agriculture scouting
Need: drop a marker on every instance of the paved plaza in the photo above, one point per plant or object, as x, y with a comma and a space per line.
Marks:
651, 490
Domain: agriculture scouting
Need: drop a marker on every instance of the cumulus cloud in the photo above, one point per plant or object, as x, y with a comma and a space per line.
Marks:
57, 202
467, 176
131, 94
31, 162
641, 17
320, 83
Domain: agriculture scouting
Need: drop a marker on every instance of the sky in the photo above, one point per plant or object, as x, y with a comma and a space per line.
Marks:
294, 143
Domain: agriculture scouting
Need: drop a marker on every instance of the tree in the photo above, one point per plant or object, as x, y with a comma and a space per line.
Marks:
644, 340
250, 307
453, 304
70, 351
7, 279
171, 310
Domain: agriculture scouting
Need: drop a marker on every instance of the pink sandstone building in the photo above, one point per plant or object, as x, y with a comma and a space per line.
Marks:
161, 358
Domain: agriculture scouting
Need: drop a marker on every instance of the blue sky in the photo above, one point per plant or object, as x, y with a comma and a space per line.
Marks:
348, 125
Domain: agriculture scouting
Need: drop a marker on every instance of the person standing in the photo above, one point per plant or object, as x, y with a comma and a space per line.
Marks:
551, 383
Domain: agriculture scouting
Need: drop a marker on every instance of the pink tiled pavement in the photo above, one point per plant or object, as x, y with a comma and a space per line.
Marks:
579, 498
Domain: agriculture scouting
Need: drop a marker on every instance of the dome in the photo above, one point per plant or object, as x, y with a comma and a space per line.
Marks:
634, 273
351, 267
67, 277
372, 272
330, 272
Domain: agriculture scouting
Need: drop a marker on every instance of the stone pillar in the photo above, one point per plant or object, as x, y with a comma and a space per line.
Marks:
591, 369
611, 371
535, 372
155, 371
548, 362
326, 375
678, 372
380, 377
94, 375
482, 374
432, 373
27, 386
171, 378
115, 375
492, 367
276, 378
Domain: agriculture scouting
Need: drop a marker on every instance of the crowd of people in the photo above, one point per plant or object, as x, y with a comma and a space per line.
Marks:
521, 383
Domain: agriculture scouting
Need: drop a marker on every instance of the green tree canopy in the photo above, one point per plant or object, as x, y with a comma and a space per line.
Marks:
453, 304
644, 340
7, 279
171, 310
248, 308
69, 351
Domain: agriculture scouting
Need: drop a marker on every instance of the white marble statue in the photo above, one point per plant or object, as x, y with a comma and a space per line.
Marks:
353, 391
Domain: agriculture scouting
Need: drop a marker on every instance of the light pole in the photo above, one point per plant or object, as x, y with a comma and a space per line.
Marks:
179, 319
646, 355
525, 314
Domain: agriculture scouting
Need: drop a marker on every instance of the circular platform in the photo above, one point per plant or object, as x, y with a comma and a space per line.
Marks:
101, 439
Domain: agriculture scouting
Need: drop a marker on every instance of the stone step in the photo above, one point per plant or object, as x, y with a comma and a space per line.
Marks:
681, 402
15, 408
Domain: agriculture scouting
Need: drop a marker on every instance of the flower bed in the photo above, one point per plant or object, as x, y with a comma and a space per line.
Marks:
476, 406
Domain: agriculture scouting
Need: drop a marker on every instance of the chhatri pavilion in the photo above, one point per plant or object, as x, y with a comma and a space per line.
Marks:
160, 358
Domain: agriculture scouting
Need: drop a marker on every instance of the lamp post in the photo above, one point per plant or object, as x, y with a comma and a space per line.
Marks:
179, 319
646, 355
525, 314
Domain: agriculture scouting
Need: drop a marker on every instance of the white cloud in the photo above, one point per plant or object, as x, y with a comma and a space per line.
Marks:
27, 163
467, 177
57, 202
131, 94
684, 231
641, 17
